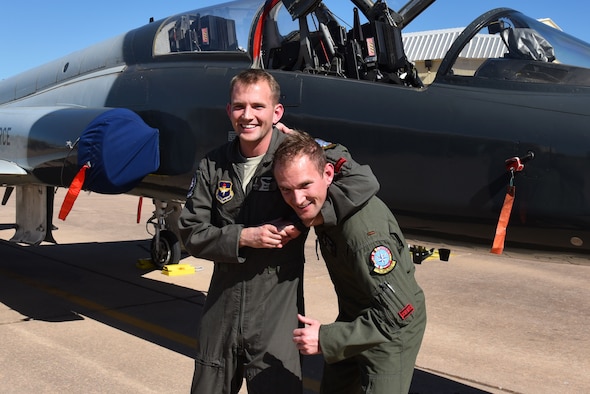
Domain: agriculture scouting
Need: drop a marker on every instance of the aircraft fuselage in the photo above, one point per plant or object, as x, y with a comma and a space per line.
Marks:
439, 152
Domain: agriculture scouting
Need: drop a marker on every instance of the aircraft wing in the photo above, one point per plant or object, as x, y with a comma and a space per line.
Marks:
10, 168
52, 143
107, 150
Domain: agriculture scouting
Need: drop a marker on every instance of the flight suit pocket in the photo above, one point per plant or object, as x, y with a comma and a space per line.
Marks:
395, 303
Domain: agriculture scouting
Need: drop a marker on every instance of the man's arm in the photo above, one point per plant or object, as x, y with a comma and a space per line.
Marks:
339, 340
353, 185
342, 340
201, 238
205, 240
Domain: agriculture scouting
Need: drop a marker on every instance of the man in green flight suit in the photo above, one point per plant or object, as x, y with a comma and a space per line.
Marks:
373, 345
235, 216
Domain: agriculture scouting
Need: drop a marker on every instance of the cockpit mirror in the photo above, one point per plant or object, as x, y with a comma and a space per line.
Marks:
496, 27
299, 8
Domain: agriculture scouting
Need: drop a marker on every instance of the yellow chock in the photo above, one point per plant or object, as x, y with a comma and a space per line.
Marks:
145, 264
178, 269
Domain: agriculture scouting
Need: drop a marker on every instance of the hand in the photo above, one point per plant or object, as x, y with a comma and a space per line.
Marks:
288, 228
291, 231
283, 128
265, 236
307, 339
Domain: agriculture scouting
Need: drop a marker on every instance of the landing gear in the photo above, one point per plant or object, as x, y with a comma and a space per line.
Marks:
165, 247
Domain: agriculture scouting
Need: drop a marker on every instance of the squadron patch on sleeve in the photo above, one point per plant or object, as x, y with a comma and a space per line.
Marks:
382, 260
191, 188
225, 192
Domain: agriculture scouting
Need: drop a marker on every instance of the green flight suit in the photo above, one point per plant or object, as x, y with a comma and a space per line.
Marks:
255, 294
373, 345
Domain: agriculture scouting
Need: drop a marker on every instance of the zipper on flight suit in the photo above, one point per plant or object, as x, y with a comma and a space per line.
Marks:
396, 306
244, 192
240, 350
379, 297
238, 170
241, 194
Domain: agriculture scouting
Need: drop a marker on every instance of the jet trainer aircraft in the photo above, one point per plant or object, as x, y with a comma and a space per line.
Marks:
135, 114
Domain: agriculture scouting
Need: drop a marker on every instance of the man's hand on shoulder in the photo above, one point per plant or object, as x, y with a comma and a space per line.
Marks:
284, 129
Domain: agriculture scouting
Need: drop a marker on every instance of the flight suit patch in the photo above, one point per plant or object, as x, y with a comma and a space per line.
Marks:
264, 184
339, 164
324, 144
382, 260
225, 191
191, 188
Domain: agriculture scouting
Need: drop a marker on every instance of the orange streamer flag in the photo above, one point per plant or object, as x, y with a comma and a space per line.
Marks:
73, 192
498, 245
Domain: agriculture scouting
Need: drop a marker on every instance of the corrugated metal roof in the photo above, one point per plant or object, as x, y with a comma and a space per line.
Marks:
434, 44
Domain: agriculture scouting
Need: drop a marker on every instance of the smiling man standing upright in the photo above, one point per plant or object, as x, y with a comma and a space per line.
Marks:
230, 217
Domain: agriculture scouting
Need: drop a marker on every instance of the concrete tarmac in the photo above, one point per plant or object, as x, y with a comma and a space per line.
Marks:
81, 317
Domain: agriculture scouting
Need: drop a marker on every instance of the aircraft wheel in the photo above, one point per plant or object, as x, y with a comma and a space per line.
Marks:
168, 251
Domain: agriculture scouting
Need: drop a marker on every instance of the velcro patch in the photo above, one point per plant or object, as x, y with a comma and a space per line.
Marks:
225, 191
407, 311
339, 164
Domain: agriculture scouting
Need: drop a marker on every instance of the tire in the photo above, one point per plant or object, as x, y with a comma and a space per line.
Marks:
169, 249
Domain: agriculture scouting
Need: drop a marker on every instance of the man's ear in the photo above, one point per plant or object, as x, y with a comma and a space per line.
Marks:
329, 173
278, 113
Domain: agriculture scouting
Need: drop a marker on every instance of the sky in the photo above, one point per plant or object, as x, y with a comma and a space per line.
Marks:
37, 31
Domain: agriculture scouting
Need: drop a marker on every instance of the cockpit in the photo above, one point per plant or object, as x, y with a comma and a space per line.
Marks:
219, 28
524, 50
367, 44
296, 35
371, 48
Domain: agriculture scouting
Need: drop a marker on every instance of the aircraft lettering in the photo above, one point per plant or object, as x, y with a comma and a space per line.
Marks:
5, 135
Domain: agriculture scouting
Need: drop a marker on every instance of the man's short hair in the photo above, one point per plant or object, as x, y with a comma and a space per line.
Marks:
300, 143
252, 76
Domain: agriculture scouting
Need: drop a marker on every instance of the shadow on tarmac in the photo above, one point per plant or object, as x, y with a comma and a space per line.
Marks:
423, 382
61, 283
